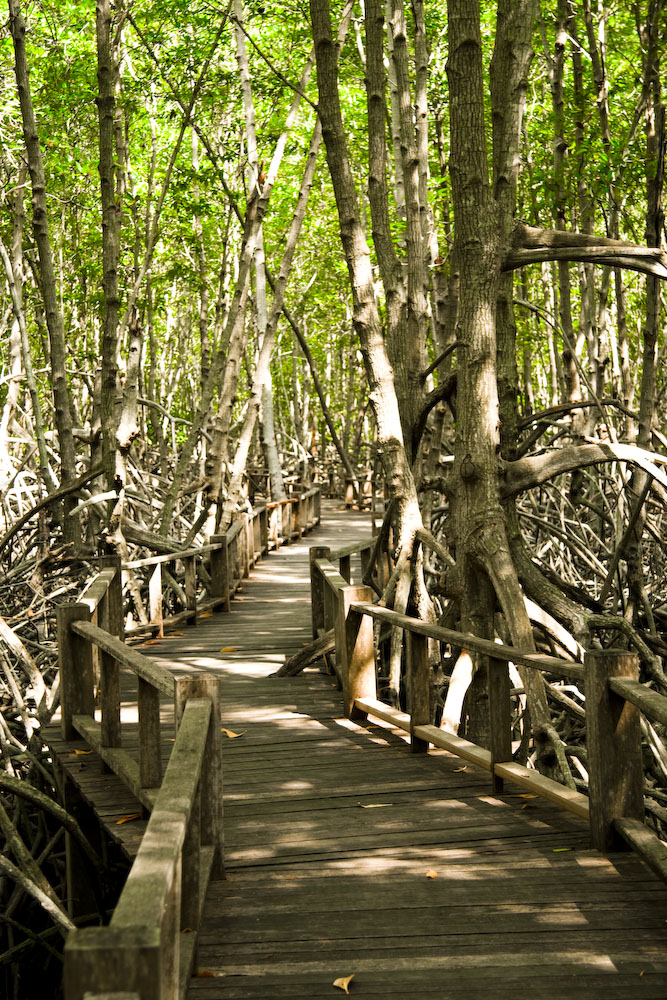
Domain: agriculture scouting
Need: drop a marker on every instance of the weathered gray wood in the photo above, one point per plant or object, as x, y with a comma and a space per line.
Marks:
99, 960
118, 760
419, 687
645, 842
190, 877
537, 783
652, 704
317, 552
345, 567
190, 566
203, 686
264, 530
613, 743
150, 755
96, 590
155, 599
355, 650
149, 671
500, 716
220, 582
539, 661
75, 663
112, 621
378, 709
455, 744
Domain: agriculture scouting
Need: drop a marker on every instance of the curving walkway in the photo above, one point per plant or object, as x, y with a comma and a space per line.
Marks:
349, 855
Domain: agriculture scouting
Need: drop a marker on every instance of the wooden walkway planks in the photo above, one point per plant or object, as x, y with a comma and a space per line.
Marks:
332, 827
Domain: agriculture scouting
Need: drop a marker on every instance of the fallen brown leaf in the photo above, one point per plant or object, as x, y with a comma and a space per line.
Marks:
229, 649
128, 819
431, 873
343, 982
233, 736
82, 753
204, 974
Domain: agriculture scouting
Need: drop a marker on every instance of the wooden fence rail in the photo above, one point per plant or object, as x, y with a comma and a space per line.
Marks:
231, 558
614, 700
143, 953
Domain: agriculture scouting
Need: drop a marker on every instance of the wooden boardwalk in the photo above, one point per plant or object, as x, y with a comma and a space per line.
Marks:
347, 854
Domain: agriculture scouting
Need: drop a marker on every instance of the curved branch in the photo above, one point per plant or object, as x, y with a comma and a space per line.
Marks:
525, 473
531, 245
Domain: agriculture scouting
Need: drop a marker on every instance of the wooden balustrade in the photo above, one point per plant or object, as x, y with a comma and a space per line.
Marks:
230, 559
143, 954
183, 844
614, 700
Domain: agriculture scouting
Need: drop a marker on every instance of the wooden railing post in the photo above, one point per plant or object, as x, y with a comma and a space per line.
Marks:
318, 504
613, 743
317, 588
111, 620
75, 661
256, 536
220, 583
123, 960
207, 686
355, 651
264, 530
500, 716
190, 567
155, 599
150, 750
419, 687
345, 567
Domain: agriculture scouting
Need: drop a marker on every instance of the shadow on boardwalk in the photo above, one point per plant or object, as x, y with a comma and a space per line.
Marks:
348, 854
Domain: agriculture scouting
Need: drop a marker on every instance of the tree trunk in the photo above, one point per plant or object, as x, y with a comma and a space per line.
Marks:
54, 318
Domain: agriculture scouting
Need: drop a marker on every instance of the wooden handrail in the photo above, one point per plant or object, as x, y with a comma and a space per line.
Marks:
159, 677
97, 589
564, 669
614, 805
138, 954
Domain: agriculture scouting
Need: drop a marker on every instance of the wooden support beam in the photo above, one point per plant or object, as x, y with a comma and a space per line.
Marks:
613, 743
75, 662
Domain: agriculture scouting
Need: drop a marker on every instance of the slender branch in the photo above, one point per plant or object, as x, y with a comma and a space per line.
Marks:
262, 54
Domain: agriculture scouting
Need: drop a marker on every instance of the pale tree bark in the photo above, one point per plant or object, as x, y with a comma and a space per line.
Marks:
14, 272
54, 318
408, 352
655, 170
108, 81
483, 216
268, 429
367, 326
25, 363
257, 203
262, 369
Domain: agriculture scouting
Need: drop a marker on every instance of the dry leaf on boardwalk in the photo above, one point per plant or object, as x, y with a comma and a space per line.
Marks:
343, 982
431, 873
376, 805
82, 753
229, 649
233, 736
128, 819
151, 642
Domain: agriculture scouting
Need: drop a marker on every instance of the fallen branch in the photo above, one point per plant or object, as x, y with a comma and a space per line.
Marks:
313, 652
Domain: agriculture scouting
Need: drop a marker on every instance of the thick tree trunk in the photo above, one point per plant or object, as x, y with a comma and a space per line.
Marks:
107, 77
54, 318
